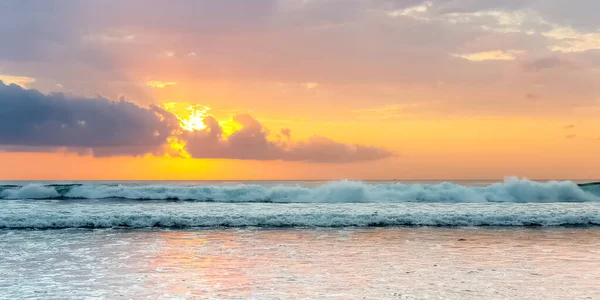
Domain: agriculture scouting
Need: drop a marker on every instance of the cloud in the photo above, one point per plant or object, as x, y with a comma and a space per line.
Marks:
490, 55
341, 45
21, 81
572, 40
321, 149
286, 132
32, 121
109, 38
251, 142
29, 118
570, 136
416, 12
160, 84
544, 63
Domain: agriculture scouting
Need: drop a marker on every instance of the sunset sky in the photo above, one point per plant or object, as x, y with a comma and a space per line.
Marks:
299, 89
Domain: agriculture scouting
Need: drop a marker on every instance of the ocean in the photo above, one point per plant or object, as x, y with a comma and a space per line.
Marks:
513, 239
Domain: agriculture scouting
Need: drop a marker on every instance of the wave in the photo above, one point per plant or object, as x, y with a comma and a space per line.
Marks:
511, 190
50, 215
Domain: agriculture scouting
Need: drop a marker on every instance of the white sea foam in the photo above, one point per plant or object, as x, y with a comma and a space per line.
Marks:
514, 202
30, 191
47, 214
511, 190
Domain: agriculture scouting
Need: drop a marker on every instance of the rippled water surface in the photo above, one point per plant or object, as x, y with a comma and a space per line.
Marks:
349, 263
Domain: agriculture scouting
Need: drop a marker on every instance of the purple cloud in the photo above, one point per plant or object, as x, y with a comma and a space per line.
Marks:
32, 121
251, 142
29, 118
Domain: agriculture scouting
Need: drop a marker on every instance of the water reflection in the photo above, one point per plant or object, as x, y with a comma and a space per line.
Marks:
343, 264
386, 263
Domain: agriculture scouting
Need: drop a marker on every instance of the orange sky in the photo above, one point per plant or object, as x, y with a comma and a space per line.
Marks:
439, 90
455, 149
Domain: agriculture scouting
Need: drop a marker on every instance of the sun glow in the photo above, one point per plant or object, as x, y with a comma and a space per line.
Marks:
176, 148
195, 120
229, 127
191, 118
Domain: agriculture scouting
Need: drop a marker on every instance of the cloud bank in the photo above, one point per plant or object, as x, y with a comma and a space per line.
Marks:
30, 119
251, 142
386, 47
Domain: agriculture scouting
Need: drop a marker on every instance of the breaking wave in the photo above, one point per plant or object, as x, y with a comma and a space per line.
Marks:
514, 202
511, 190
50, 215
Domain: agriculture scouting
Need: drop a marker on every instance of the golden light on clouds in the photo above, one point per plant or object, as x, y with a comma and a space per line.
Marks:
160, 84
572, 40
490, 55
413, 11
191, 118
21, 81
176, 148
229, 127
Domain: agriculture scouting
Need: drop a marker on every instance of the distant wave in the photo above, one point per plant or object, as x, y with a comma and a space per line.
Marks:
511, 190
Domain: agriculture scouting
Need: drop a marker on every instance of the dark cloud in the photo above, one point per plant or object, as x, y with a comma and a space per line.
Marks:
31, 119
251, 142
545, 63
569, 126
321, 149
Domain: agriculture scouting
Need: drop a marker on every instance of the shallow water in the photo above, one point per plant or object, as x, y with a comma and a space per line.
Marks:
350, 263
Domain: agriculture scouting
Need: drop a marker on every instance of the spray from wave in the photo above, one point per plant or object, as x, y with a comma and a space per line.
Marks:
511, 190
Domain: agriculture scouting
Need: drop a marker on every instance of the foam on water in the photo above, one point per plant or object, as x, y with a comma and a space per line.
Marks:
514, 202
52, 214
30, 191
511, 190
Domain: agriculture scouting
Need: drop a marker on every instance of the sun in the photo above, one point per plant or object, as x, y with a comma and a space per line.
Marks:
195, 121
191, 118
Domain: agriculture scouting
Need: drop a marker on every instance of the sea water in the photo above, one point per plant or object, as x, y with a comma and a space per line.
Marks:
516, 239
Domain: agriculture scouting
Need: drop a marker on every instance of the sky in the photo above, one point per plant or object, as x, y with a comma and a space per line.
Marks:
299, 89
